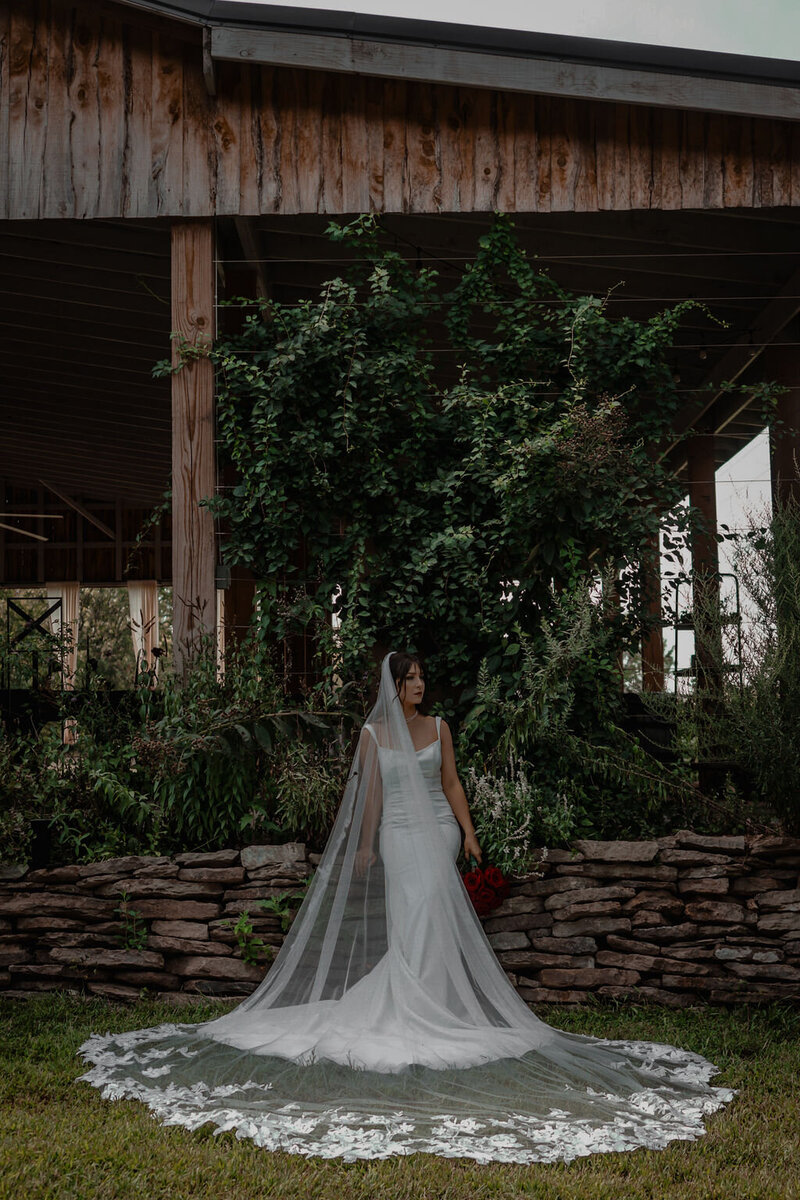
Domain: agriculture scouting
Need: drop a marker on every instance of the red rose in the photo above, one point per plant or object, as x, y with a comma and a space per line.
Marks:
495, 879
485, 900
473, 880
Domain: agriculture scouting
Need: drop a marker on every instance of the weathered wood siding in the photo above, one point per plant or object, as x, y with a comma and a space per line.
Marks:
104, 113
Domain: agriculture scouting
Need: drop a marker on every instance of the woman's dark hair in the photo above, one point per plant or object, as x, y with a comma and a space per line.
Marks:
401, 663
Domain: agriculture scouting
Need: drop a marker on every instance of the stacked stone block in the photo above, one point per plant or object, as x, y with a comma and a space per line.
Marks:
680, 920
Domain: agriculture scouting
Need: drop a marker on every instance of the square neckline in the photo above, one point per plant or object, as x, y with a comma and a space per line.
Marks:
438, 721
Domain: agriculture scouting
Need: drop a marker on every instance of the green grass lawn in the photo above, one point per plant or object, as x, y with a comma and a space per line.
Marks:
59, 1139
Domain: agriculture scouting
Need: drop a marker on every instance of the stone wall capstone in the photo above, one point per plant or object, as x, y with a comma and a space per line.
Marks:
680, 920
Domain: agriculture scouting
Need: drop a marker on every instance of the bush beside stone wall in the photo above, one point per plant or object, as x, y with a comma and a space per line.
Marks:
681, 920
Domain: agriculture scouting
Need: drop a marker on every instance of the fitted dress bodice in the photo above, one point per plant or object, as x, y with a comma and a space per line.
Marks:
395, 814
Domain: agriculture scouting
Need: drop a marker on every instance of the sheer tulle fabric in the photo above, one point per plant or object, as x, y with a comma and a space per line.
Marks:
386, 1025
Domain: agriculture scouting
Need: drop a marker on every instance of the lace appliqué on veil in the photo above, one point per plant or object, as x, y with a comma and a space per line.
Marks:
123, 1069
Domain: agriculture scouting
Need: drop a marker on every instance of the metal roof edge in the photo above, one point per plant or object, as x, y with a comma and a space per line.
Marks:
470, 37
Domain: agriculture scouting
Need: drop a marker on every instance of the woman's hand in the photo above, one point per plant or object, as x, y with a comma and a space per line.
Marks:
365, 857
471, 848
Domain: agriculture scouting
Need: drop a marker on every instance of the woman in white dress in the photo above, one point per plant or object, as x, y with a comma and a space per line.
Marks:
386, 1025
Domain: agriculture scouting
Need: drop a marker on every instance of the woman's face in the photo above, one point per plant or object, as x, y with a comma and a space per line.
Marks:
412, 689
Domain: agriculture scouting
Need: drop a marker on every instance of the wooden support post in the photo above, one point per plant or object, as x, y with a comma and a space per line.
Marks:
782, 364
193, 459
705, 560
653, 637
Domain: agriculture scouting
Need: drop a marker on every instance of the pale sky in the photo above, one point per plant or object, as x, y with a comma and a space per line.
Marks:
765, 28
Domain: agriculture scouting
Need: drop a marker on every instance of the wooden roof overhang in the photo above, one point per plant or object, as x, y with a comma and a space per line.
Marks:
116, 124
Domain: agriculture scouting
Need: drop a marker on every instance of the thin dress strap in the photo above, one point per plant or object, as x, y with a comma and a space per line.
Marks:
374, 735
438, 729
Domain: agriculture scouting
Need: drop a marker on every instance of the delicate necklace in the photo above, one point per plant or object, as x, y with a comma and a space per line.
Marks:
410, 719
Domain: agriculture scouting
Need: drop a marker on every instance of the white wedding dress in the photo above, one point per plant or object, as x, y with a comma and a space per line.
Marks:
386, 1025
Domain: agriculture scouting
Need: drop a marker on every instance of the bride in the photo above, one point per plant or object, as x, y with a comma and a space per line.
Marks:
386, 1025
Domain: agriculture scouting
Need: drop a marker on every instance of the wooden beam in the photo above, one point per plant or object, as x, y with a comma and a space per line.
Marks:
83, 512
505, 72
25, 532
750, 345
782, 363
193, 460
705, 560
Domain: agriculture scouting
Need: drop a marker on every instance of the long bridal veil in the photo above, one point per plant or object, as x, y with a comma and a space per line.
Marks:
386, 1024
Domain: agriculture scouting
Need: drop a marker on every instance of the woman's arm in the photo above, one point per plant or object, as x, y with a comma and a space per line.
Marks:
370, 775
451, 786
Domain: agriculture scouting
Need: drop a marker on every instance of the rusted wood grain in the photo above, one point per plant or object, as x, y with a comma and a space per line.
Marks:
543, 154
565, 164
394, 143
505, 131
58, 199
486, 167
193, 465
107, 115
737, 163
166, 128
269, 183
604, 141
201, 156
691, 160
110, 85
226, 130
331, 161
5, 45
27, 112
84, 102
251, 151
641, 152
423, 178
138, 189
713, 176
355, 152
373, 115
525, 162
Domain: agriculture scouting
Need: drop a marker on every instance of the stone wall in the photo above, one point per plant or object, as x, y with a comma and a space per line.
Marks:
677, 920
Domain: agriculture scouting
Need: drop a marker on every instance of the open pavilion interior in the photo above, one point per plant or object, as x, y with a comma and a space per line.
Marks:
85, 429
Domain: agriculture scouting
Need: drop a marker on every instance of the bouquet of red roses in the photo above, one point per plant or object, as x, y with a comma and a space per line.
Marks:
487, 888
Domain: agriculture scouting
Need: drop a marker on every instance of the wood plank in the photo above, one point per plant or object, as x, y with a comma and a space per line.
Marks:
394, 144
451, 135
468, 68
795, 165
373, 116
110, 77
290, 120
669, 126
27, 112
524, 156
781, 162
201, 133
564, 164
605, 154
166, 127
332, 144
308, 141
486, 162
193, 464
85, 128
692, 159
584, 152
543, 154
136, 183
641, 150
505, 127
737, 164
714, 175
355, 154
5, 108
269, 136
622, 157
58, 197
251, 155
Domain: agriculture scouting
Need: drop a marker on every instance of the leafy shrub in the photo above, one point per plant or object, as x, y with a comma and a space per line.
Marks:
514, 819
